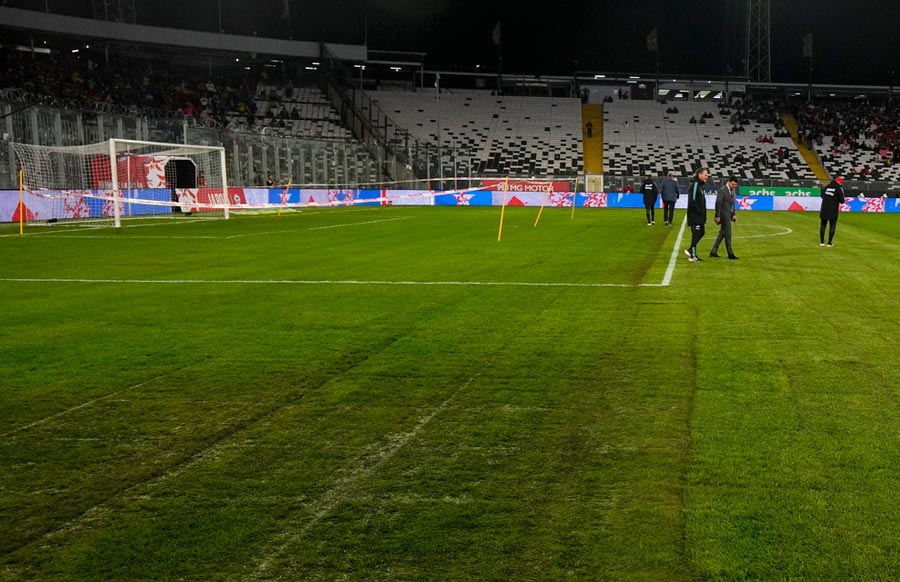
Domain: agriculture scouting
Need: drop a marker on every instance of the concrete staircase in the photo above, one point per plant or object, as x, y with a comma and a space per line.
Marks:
809, 156
592, 146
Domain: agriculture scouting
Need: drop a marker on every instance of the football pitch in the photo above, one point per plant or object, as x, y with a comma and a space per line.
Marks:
392, 394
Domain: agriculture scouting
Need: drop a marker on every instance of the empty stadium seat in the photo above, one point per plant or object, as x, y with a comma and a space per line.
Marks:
641, 139
516, 136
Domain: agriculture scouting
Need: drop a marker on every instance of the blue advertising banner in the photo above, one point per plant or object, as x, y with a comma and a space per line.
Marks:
136, 209
376, 197
473, 198
77, 205
279, 196
751, 203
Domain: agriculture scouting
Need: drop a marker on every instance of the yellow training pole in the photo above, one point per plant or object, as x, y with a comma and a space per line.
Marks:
574, 198
503, 208
544, 203
284, 195
21, 206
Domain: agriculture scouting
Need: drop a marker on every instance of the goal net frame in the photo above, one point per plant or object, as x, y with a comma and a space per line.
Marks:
120, 174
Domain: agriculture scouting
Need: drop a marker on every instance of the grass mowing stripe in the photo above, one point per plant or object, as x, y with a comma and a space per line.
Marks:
564, 459
558, 463
207, 451
797, 394
267, 233
652, 407
363, 468
75, 408
338, 494
94, 516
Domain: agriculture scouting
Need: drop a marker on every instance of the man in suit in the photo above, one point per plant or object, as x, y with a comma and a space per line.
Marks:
725, 215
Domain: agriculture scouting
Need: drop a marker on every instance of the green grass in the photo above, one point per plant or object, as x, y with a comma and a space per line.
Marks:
274, 409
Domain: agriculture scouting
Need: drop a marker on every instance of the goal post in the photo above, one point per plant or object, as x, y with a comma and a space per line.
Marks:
119, 179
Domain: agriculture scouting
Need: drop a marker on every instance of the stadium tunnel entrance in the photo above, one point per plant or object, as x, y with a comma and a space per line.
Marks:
181, 174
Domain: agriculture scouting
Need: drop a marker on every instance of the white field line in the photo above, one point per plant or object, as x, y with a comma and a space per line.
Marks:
670, 270
58, 233
358, 223
61, 231
343, 488
192, 237
319, 227
74, 408
320, 282
666, 281
784, 230
119, 238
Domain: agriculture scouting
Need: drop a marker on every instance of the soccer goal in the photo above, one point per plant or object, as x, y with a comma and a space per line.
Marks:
118, 179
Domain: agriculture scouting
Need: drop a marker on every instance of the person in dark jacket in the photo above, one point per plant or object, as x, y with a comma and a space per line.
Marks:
669, 193
648, 188
696, 212
832, 198
725, 215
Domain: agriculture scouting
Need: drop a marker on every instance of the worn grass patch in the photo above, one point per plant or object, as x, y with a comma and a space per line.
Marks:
390, 394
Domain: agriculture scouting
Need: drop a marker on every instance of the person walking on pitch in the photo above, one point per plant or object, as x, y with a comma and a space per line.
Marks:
669, 194
649, 190
725, 215
832, 198
696, 212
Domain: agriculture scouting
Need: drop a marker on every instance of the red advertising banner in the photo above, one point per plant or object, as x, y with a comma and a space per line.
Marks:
100, 172
529, 185
202, 199
132, 172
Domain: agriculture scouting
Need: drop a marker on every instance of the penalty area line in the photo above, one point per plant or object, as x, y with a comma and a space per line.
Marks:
314, 282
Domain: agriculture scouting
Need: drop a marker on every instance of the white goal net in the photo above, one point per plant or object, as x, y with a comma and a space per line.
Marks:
118, 180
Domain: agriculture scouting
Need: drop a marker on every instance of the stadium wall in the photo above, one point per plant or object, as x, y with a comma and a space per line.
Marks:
37, 208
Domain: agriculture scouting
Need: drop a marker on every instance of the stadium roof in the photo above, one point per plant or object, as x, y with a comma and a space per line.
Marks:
853, 42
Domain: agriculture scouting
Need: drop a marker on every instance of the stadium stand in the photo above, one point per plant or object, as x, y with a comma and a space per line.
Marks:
481, 134
852, 139
642, 138
301, 112
508, 135
246, 102
269, 124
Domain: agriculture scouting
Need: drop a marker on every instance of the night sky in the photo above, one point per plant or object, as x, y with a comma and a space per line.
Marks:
854, 40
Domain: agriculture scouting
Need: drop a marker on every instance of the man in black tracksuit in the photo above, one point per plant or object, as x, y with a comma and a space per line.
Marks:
832, 198
696, 212
649, 190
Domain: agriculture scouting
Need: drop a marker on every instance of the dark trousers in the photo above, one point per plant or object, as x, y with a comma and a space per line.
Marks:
724, 234
697, 232
832, 222
668, 211
649, 208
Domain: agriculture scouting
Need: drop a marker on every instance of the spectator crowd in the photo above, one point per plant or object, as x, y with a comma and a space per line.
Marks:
153, 87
